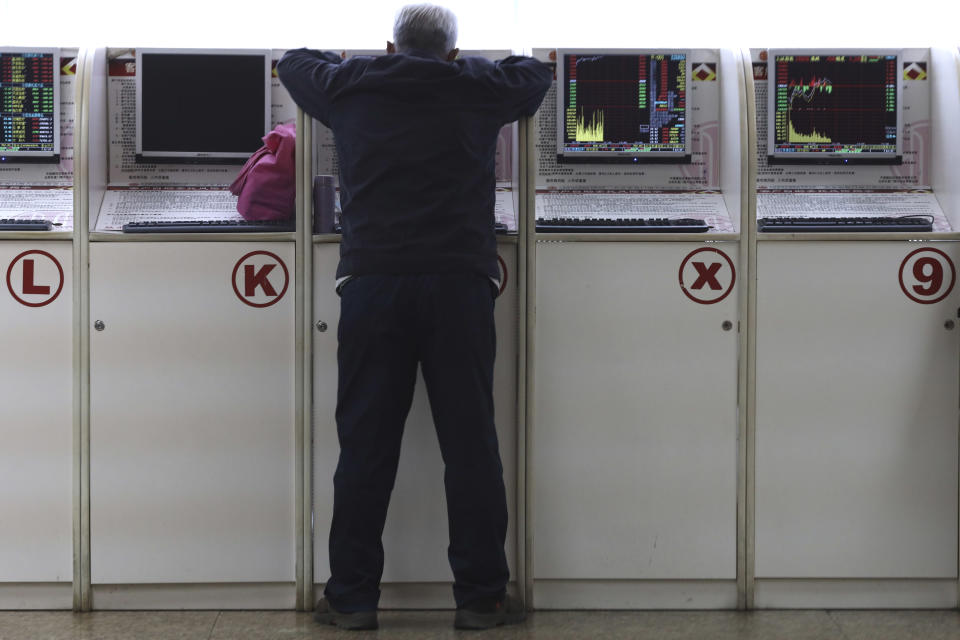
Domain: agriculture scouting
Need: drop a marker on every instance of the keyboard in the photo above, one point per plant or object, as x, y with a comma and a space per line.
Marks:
498, 227
208, 226
25, 225
844, 224
621, 225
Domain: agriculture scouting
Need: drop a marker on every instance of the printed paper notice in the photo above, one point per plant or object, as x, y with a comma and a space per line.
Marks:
121, 206
53, 205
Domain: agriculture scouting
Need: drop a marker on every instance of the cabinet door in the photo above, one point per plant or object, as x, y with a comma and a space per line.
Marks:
634, 451
192, 412
856, 472
415, 538
36, 412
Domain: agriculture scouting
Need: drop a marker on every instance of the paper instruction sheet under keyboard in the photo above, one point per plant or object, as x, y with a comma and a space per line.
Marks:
855, 204
121, 206
53, 205
504, 212
708, 207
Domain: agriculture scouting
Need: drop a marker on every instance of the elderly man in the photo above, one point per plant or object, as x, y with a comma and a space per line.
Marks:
416, 137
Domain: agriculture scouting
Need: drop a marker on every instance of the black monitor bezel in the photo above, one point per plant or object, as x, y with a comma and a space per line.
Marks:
619, 157
39, 157
831, 158
189, 156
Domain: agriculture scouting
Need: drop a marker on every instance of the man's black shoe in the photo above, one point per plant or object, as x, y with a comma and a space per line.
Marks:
355, 621
488, 613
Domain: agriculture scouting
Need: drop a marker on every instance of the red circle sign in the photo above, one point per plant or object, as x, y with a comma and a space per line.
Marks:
35, 285
260, 284
709, 279
503, 270
927, 275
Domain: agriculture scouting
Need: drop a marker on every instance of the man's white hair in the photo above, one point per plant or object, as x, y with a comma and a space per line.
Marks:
425, 27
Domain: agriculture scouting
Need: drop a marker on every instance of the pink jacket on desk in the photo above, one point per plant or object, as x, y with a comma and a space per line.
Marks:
266, 185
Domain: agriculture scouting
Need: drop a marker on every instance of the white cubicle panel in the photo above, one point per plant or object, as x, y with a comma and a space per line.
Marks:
634, 443
734, 137
120, 103
37, 346
857, 372
416, 571
36, 424
40, 176
944, 107
192, 421
917, 133
856, 427
634, 454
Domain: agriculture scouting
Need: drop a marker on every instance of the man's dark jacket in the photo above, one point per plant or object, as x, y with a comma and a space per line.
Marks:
416, 139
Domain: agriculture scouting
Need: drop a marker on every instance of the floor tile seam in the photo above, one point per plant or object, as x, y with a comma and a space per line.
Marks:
213, 628
836, 622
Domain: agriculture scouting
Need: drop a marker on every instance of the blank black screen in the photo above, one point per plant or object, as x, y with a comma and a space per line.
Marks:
202, 103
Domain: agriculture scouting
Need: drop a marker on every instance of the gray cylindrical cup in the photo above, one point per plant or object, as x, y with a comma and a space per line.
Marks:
324, 202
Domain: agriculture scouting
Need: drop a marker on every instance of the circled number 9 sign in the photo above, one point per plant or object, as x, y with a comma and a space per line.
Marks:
927, 275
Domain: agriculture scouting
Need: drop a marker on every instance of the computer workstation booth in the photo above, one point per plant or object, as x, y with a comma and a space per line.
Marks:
853, 501
38, 112
192, 338
416, 570
636, 308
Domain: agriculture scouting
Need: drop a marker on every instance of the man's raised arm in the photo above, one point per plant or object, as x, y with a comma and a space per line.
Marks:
307, 75
525, 81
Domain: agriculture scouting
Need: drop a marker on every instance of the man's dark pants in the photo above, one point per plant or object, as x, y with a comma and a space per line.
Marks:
389, 323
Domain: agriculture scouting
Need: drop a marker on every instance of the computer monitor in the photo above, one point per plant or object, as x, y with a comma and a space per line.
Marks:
29, 105
622, 105
834, 107
201, 105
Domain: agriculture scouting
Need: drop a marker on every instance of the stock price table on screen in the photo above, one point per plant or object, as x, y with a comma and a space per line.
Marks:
844, 104
27, 102
625, 103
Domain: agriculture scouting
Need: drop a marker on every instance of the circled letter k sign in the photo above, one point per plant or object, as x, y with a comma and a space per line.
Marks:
35, 278
260, 279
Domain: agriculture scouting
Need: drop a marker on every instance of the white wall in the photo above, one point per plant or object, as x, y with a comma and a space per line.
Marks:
488, 24
243, 23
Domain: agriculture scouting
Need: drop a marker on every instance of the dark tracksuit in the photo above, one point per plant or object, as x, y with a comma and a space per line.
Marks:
416, 139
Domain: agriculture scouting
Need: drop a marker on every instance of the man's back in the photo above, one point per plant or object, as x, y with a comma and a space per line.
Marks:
416, 138
416, 134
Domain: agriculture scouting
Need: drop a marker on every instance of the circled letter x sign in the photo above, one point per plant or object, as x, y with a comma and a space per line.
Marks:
707, 275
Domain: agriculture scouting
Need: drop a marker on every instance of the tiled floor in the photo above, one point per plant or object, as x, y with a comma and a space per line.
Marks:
547, 625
